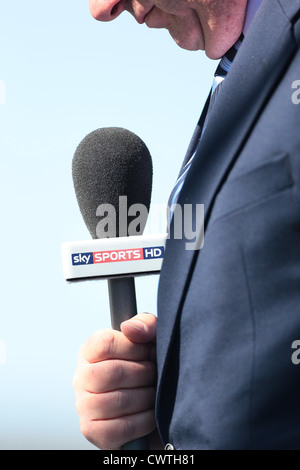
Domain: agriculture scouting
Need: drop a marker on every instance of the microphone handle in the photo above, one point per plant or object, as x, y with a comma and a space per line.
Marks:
122, 300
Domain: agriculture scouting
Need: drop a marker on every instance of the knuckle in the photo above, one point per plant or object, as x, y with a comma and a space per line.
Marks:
128, 428
112, 375
106, 344
98, 347
86, 429
105, 376
123, 401
118, 371
89, 431
110, 436
83, 403
99, 433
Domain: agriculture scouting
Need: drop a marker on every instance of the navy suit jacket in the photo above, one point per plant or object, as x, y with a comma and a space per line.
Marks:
229, 313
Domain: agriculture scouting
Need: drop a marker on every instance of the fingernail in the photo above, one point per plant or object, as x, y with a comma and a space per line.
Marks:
139, 325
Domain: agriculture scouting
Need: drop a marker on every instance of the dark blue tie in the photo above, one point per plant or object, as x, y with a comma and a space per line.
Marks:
219, 76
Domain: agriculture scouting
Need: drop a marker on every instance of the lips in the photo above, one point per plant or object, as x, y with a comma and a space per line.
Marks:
141, 19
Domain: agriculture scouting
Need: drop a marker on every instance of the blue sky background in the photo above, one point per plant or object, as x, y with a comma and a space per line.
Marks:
65, 75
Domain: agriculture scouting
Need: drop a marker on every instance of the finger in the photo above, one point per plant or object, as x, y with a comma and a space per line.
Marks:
140, 328
115, 404
112, 434
115, 374
111, 344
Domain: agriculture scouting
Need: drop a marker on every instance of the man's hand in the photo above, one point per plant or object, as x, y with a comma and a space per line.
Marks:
115, 383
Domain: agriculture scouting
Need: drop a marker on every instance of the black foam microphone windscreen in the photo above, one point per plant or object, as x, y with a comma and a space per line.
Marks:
110, 163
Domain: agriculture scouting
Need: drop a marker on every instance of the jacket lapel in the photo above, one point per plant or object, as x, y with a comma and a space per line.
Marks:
254, 74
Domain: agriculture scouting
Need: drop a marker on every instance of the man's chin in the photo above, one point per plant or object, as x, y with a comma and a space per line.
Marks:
188, 45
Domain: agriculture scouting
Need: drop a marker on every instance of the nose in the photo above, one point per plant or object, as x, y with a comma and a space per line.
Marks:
106, 10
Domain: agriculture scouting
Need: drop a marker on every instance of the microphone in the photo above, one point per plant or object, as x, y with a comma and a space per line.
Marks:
112, 171
109, 163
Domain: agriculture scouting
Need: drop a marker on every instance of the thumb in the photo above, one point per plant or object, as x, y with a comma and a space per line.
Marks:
141, 328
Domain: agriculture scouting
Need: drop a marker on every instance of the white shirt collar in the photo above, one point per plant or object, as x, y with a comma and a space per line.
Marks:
252, 7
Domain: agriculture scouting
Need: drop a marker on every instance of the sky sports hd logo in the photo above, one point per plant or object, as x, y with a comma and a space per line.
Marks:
115, 256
